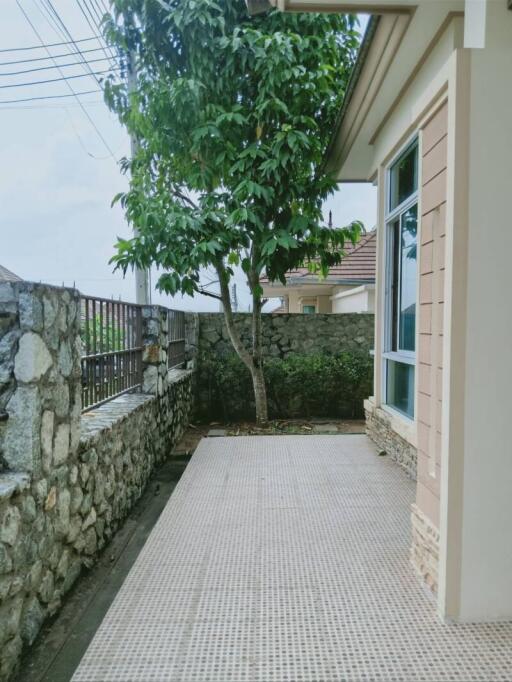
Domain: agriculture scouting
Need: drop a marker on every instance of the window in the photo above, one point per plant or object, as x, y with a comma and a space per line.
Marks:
309, 309
402, 274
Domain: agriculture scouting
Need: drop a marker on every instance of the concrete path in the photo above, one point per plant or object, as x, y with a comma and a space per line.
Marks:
285, 559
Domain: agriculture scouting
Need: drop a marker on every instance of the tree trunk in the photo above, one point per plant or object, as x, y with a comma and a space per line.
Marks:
258, 378
260, 395
252, 362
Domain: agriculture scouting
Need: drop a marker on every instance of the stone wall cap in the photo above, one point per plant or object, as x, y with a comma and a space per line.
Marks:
24, 285
177, 375
110, 413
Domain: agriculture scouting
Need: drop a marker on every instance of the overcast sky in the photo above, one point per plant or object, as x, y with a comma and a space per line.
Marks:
57, 177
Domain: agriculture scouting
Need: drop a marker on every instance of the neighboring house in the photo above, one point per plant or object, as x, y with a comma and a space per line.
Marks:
427, 117
348, 288
8, 276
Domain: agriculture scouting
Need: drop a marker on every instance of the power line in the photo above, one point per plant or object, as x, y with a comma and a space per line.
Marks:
93, 26
44, 46
46, 68
57, 21
90, 103
55, 80
55, 56
35, 99
91, 121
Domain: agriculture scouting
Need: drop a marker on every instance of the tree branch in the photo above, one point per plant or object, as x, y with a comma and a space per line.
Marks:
184, 198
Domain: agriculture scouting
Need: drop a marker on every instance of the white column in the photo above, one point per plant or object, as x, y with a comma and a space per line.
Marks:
476, 488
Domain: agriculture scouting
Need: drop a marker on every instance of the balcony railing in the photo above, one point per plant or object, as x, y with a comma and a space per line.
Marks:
176, 338
111, 333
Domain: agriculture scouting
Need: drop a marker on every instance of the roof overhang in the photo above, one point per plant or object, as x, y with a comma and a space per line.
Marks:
353, 6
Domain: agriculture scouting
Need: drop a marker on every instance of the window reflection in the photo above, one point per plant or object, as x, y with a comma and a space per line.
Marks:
408, 272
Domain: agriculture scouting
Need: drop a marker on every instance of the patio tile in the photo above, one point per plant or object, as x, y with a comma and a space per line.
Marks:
286, 559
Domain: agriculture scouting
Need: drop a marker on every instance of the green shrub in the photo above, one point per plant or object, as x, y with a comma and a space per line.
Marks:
316, 385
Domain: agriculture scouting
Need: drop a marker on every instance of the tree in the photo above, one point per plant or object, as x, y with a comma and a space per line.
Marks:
233, 116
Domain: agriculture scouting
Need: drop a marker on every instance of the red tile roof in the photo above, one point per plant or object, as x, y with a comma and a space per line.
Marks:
357, 266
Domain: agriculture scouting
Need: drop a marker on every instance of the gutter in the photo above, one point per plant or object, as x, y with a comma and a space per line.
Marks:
364, 48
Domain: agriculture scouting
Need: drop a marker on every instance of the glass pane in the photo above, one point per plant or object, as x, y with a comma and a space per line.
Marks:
395, 284
400, 387
408, 279
403, 177
309, 309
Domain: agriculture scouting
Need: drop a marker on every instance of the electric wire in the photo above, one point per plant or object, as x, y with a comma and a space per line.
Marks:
90, 119
46, 68
44, 97
94, 27
55, 80
47, 45
55, 56
57, 21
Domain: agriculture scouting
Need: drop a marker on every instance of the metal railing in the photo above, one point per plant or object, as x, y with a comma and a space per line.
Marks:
111, 333
176, 338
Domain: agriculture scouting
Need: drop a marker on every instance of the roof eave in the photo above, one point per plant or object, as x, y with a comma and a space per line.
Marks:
364, 48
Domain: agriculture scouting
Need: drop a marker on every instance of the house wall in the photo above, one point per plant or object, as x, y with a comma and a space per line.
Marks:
423, 111
476, 500
356, 300
317, 296
425, 513
321, 297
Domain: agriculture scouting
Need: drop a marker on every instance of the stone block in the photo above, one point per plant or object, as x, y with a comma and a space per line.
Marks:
65, 361
30, 312
10, 524
31, 620
47, 422
32, 360
21, 446
5, 560
61, 445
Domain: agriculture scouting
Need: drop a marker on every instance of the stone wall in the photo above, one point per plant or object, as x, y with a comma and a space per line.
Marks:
68, 480
380, 429
290, 333
283, 336
425, 548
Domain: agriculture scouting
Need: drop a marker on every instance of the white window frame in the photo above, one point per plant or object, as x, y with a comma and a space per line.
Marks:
402, 356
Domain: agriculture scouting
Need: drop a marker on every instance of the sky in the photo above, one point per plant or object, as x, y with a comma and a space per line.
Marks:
58, 177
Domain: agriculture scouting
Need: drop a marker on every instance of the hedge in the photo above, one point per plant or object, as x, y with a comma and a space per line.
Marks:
304, 386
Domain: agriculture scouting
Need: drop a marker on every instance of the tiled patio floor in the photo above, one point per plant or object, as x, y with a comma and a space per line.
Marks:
286, 559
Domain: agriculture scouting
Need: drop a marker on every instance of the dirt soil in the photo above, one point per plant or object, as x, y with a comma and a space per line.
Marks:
284, 427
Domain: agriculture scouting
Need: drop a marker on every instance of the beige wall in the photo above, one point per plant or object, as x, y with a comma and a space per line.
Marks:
356, 300
433, 145
476, 485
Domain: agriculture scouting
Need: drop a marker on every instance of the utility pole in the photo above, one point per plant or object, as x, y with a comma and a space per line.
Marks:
234, 299
142, 290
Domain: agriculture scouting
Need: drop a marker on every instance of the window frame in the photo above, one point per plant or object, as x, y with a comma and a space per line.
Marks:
406, 357
309, 305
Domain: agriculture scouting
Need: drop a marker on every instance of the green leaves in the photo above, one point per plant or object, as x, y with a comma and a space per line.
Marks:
233, 116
